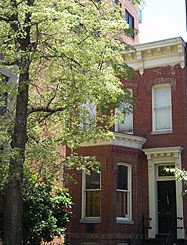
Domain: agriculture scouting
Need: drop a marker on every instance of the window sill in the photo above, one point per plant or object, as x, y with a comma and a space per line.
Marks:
120, 220
162, 132
124, 132
90, 221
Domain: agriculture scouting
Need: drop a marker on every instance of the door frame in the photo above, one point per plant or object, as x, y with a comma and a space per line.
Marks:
166, 156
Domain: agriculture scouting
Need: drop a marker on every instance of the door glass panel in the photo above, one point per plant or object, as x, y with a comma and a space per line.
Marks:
164, 170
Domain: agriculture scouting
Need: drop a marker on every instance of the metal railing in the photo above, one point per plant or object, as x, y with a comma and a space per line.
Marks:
140, 234
172, 234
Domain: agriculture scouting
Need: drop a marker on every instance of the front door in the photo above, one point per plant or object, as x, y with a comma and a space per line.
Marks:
166, 204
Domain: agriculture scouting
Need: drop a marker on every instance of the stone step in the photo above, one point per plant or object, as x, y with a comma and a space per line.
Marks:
161, 241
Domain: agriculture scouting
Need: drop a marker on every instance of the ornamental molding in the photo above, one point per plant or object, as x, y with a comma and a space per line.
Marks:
155, 54
163, 155
124, 140
164, 152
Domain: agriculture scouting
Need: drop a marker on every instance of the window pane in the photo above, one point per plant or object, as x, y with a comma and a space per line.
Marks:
162, 97
163, 172
126, 126
92, 203
93, 181
122, 205
163, 119
125, 121
131, 21
127, 16
122, 181
91, 110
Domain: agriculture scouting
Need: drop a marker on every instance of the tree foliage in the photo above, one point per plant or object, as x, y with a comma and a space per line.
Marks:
72, 51
57, 56
46, 210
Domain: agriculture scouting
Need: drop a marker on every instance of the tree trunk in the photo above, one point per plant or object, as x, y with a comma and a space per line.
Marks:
13, 197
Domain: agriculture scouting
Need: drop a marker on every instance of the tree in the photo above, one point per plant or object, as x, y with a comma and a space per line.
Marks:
46, 209
180, 175
62, 55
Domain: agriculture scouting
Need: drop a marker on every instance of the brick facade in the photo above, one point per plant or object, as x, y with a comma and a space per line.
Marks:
109, 231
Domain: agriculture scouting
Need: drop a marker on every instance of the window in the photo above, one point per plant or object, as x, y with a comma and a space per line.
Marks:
123, 192
161, 101
130, 20
88, 115
164, 170
124, 122
91, 195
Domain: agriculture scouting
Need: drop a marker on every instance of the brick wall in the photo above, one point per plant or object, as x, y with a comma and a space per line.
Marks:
108, 231
141, 85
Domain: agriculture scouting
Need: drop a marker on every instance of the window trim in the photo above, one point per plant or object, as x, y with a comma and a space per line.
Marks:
85, 219
127, 220
161, 131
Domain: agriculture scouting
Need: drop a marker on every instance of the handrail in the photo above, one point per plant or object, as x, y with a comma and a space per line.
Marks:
140, 233
172, 234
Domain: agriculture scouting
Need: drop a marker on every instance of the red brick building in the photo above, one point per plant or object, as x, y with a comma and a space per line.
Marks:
133, 181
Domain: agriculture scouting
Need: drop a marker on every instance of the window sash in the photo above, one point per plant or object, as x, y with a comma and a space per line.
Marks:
124, 122
123, 204
162, 111
93, 200
126, 126
92, 181
129, 19
91, 196
122, 178
162, 118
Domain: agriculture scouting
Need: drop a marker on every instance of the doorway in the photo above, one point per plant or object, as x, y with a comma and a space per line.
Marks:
166, 196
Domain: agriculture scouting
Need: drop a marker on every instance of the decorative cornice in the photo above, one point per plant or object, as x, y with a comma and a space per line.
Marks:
155, 54
155, 153
124, 140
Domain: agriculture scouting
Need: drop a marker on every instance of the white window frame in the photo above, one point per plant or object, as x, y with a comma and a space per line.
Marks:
117, 111
85, 218
154, 130
127, 219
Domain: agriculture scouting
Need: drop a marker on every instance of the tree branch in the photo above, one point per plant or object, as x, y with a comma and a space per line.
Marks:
45, 109
53, 97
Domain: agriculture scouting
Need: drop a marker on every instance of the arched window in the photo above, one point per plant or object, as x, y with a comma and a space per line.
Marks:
124, 209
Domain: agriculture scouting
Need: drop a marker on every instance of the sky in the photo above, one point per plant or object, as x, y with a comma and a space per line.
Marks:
162, 19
